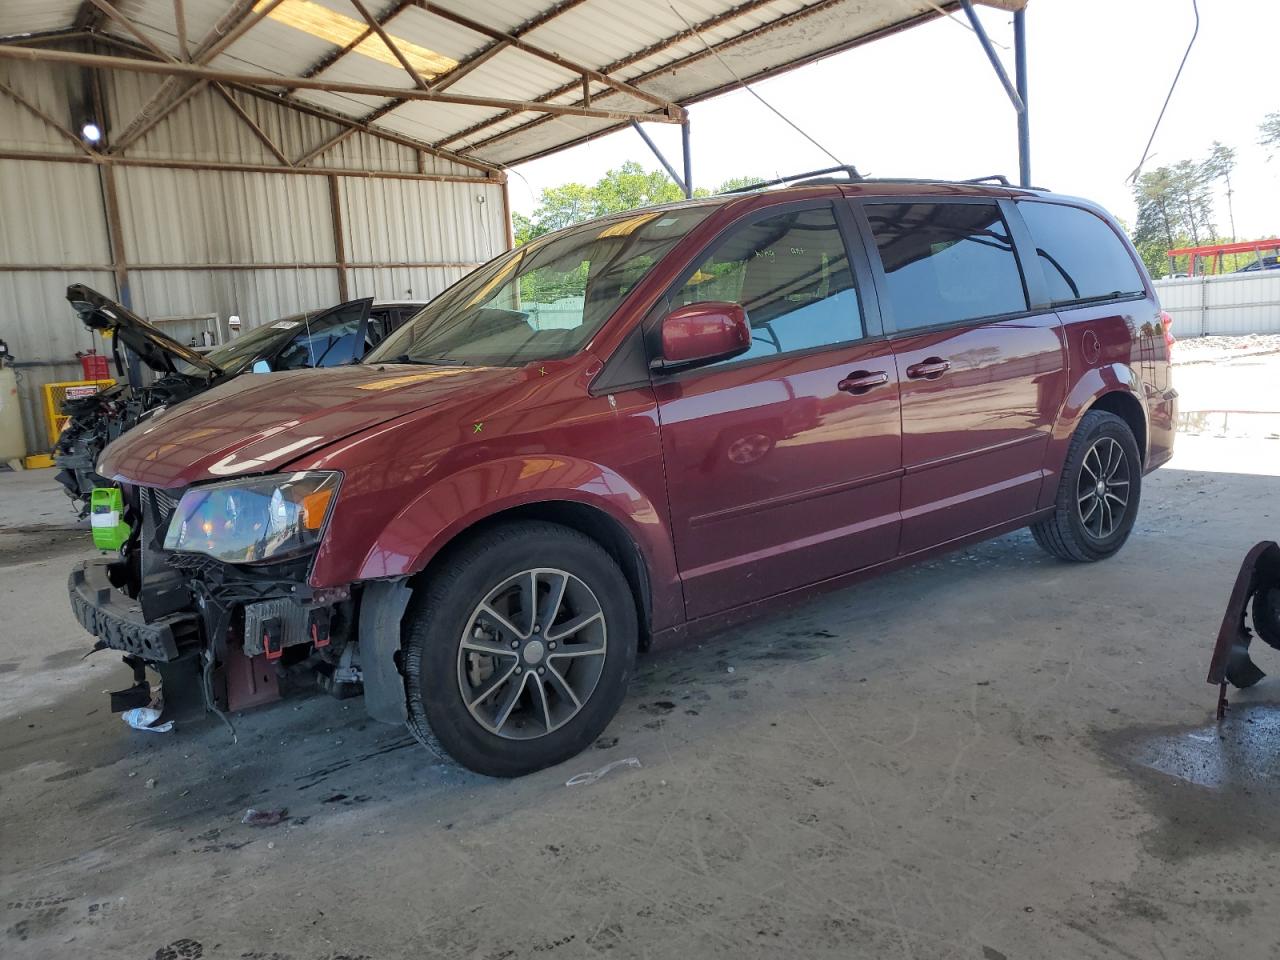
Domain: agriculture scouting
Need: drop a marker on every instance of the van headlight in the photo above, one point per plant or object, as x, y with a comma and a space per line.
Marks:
254, 519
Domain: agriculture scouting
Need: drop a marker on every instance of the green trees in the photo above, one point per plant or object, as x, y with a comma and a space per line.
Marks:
624, 188
1176, 202
1269, 134
1175, 208
1219, 165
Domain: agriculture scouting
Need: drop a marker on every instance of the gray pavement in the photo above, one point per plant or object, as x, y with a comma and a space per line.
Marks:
992, 755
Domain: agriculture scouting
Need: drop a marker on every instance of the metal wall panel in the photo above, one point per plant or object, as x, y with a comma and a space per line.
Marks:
1234, 304
44, 86
404, 220
51, 213
219, 217
43, 334
255, 296
403, 283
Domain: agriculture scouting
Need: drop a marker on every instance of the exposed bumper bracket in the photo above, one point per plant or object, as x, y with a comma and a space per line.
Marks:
117, 620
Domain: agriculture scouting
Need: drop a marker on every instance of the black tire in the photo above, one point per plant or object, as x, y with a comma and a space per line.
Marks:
1266, 614
1066, 535
447, 605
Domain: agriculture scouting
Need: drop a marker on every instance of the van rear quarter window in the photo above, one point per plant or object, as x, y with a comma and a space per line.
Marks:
946, 262
1080, 254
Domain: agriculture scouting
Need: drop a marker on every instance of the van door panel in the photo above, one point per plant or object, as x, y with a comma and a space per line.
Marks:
777, 478
974, 440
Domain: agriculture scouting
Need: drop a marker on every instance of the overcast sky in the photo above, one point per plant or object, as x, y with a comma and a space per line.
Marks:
925, 103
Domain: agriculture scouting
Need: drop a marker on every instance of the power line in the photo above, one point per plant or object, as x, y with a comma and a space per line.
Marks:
1194, 33
747, 87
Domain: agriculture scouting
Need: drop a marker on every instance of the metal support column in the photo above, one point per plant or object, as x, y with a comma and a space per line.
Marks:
339, 243
119, 265
688, 160
1020, 80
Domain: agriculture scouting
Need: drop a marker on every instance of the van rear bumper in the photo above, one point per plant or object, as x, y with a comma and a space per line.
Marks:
1162, 425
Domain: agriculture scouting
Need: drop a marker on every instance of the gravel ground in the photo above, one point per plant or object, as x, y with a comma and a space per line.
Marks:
1215, 349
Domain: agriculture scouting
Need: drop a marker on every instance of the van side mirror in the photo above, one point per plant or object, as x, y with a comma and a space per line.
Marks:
261, 366
701, 333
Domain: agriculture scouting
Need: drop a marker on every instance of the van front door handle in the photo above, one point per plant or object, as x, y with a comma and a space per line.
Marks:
930, 368
860, 381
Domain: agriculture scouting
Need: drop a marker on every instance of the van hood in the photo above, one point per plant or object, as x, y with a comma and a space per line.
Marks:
258, 423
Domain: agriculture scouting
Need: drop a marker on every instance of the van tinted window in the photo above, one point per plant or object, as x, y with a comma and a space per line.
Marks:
1081, 255
946, 262
791, 273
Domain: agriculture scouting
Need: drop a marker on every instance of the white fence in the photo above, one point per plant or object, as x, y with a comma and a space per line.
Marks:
1235, 303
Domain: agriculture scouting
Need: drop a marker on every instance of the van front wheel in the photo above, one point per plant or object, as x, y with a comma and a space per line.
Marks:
519, 650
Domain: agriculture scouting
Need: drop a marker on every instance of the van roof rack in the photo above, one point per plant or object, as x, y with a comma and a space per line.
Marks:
848, 170
853, 176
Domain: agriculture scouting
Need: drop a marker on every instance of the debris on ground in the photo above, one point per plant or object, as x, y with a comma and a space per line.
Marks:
1257, 583
591, 776
1213, 349
265, 818
142, 718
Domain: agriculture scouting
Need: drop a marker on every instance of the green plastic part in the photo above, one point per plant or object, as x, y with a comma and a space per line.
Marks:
106, 514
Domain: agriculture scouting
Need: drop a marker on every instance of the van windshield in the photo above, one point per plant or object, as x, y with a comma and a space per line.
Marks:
543, 300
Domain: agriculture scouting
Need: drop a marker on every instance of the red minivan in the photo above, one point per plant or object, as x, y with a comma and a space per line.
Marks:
633, 430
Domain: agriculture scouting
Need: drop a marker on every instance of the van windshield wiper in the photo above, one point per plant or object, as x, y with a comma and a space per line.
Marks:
439, 361
1098, 298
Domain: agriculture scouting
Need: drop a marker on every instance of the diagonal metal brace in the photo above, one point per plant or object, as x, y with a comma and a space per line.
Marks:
983, 39
671, 171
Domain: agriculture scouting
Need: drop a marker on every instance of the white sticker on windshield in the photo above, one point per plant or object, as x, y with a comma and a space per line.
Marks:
665, 222
284, 324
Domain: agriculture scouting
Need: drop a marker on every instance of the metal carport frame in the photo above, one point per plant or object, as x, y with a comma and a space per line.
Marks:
492, 76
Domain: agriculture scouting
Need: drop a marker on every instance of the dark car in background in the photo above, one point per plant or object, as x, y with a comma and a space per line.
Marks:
1262, 263
633, 431
333, 337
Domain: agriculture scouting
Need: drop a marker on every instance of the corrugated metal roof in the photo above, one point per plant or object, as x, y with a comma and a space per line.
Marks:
661, 46
36, 16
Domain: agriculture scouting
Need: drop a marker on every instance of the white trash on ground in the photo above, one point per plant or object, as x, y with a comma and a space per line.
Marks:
142, 718
591, 776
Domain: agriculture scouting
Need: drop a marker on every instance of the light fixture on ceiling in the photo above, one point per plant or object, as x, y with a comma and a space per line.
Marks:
91, 132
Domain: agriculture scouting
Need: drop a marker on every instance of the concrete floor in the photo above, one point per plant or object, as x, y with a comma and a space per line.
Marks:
993, 755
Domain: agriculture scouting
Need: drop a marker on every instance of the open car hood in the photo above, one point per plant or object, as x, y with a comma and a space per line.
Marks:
157, 350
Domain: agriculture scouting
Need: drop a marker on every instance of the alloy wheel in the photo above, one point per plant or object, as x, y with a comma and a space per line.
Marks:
1102, 491
532, 653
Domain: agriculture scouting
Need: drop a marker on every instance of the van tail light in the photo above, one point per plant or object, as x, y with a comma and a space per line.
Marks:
1166, 323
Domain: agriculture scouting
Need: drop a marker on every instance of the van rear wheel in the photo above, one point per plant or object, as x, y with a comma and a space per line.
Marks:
518, 652
1098, 492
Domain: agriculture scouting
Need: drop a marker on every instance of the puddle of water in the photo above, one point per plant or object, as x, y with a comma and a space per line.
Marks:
1241, 752
1210, 787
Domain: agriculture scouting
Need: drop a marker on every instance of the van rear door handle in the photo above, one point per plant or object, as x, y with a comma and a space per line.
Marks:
860, 381
930, 368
